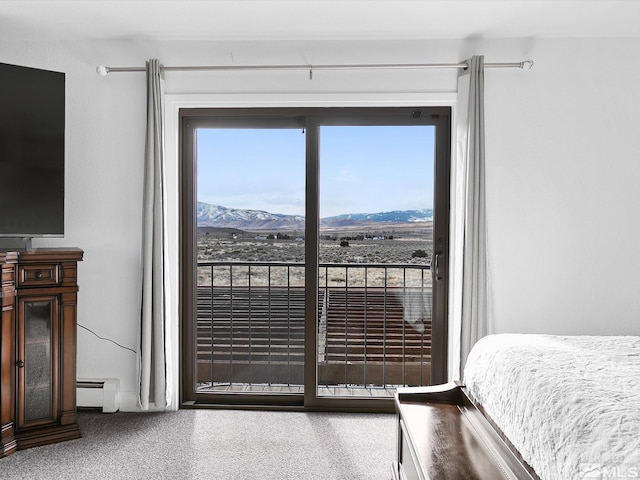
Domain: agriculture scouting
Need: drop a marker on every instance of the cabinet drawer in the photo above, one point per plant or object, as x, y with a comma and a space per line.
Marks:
38, 275
408, 463
6, 276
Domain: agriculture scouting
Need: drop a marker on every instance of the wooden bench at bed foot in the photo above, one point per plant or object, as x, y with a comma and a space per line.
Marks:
443, 436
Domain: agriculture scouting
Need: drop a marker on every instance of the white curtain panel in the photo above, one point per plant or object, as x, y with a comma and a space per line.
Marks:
153, 359
469, 265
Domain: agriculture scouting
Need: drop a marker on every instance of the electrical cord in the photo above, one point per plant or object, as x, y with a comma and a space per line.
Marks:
107, 339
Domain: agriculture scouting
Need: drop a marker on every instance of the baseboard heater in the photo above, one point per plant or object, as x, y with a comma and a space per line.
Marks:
102, 394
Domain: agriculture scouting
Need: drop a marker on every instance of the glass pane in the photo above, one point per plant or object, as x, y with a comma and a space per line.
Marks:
250, 247
38, 387
376, 241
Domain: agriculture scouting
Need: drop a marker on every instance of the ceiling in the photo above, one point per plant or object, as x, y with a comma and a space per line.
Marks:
316, 19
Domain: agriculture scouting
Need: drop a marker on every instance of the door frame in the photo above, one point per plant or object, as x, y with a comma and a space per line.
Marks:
242, 104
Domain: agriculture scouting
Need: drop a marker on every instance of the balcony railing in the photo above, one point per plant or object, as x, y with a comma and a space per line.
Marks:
374, 324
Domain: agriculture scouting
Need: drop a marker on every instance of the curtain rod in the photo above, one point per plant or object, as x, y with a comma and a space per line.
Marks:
525, 65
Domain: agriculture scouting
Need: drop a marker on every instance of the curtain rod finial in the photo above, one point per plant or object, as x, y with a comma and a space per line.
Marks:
102, 70
527, 65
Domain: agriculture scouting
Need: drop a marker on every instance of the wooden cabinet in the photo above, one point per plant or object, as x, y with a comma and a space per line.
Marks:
38, 297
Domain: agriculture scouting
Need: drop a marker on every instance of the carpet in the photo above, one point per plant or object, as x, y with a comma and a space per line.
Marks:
217, 445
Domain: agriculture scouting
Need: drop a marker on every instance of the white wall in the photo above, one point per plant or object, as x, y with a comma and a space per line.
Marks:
562, 171
563, 174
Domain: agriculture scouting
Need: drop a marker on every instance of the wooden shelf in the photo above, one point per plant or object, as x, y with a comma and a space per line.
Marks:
50, 276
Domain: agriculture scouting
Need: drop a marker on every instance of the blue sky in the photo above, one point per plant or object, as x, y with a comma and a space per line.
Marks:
362, 169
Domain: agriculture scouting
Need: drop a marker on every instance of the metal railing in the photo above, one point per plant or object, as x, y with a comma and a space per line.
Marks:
374, 324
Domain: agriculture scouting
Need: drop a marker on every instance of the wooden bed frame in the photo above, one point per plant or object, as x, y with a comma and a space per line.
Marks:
442, 434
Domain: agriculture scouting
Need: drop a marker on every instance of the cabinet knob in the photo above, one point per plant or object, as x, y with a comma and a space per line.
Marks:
20, 364
38, 274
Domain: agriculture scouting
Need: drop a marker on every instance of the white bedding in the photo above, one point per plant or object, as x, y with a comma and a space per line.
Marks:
570, 405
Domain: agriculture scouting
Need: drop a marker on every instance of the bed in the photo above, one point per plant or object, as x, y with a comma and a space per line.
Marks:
531, 407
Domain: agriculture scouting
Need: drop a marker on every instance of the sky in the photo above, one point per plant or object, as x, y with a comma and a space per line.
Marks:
363, 169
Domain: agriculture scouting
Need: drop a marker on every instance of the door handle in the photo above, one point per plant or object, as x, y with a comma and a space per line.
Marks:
435, 267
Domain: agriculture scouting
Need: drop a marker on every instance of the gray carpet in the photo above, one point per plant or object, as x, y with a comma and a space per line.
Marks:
216, 444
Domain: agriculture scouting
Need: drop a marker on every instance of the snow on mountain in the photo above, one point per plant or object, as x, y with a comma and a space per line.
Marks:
217, 216
396, 216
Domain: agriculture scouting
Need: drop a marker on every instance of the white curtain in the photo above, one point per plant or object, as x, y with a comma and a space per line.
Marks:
153, 356
469, 265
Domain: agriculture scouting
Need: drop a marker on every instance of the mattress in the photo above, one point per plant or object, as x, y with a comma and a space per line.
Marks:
569, 404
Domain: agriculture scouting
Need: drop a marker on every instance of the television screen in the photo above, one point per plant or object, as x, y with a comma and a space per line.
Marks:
32, 121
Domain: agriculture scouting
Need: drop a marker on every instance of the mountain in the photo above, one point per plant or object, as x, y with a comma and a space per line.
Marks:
395, 216
217, 216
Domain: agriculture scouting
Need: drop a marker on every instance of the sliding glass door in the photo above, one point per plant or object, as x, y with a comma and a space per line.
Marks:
250, 275
309, 237
376, 235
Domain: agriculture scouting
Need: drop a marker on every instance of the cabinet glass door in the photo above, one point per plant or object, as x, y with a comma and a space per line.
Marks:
37, 360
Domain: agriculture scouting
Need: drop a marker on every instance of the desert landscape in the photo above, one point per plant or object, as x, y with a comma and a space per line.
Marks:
277, 257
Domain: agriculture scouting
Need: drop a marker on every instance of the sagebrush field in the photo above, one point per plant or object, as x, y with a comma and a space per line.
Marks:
399, 244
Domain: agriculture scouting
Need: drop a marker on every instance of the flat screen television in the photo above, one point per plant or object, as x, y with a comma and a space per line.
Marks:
32, 126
